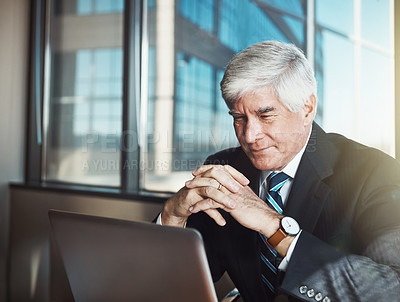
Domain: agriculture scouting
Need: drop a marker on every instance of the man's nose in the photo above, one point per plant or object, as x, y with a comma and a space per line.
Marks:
252, 131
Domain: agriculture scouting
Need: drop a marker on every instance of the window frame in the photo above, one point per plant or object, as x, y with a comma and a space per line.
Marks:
134, 51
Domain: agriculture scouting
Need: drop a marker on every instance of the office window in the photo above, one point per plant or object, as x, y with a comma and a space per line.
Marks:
84, 127
137, 106
354, 67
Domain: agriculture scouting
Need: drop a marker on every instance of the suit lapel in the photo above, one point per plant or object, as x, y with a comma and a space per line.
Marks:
309, 192
306, 198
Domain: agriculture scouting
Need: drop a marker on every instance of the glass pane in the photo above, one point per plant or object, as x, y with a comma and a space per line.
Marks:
200, 13
336, 89
377, 94
376, 22
337, 15
85, 7
296, 7
355, 70
85, 106
243, 22
187, 119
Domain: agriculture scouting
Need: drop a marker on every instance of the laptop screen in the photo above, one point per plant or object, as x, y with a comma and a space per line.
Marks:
117, 260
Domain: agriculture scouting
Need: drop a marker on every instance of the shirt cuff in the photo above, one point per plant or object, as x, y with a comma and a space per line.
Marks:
285, 261
158, 221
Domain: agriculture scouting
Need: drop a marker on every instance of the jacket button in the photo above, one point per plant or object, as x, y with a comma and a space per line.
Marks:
311, 293
303, 289
326, 299
318, 297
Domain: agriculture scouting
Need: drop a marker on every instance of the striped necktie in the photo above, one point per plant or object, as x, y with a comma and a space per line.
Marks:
268, 255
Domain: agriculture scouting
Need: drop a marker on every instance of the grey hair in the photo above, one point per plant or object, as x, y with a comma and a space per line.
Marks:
279, 66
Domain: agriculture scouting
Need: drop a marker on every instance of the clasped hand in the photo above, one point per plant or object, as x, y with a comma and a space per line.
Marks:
220, 187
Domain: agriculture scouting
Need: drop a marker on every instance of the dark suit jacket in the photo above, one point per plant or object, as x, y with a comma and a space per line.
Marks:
346, 198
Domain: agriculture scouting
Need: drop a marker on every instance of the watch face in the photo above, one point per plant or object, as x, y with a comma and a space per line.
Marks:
290, 226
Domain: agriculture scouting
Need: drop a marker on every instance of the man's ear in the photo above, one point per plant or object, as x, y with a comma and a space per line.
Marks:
310, 109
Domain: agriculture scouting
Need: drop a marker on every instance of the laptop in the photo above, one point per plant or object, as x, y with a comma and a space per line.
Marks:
116, 260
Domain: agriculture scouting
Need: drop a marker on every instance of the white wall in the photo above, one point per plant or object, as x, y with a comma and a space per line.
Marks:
14, 43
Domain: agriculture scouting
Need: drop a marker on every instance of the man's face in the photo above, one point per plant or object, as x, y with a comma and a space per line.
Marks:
269, 133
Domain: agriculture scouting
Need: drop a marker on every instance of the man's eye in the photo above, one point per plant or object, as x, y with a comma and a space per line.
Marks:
238, 118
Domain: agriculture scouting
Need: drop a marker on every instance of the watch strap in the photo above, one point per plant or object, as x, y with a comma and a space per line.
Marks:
275, 239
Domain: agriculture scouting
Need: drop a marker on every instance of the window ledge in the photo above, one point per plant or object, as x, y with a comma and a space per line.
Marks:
150, 196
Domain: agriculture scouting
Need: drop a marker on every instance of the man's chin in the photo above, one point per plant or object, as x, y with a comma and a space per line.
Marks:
263, 164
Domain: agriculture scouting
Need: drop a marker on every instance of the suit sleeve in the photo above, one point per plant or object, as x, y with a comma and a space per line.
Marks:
368, 274
318, 269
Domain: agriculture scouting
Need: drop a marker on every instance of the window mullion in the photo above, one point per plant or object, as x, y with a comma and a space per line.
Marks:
130, 150
34, 130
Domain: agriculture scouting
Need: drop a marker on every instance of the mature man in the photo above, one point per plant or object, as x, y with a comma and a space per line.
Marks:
293, 211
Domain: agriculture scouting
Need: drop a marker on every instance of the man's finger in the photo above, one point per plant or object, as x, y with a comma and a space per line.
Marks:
239, 177
202, 182
216, 195
222, 175
204, 205
214, 214
202, 169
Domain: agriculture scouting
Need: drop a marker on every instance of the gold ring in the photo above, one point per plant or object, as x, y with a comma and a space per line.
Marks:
219, 187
